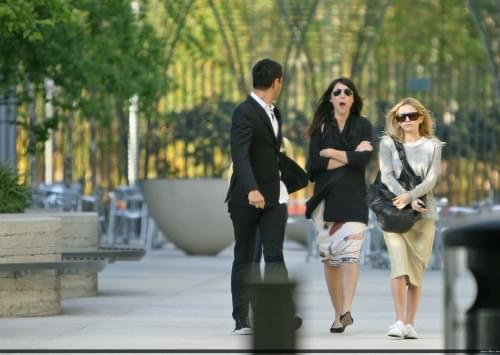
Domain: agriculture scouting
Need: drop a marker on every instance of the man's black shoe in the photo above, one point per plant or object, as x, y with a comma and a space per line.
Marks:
242, 327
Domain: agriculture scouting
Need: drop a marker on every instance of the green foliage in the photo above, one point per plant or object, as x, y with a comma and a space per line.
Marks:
206, 126
28, 20
95, 51
429, 31
14, 198
25, 26
39, 133
190, 61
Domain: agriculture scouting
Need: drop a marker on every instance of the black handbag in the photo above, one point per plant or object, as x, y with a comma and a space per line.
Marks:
294, 177
379, 198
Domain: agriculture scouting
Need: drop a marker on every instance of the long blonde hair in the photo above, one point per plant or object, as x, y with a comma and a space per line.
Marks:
426, 128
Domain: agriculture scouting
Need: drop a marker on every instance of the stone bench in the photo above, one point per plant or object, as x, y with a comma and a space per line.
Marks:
30, 239
80, 233
44, 256
80, 242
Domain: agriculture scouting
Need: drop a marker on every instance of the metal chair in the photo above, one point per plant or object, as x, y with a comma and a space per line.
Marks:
129, 221
94, 203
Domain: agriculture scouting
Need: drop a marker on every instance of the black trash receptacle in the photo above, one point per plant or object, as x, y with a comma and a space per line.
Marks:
274, 315
475, 248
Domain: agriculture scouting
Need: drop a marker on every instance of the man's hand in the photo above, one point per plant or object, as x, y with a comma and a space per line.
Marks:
364, 146
256, 199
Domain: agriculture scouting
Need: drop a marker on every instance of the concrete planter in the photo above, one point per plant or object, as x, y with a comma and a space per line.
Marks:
191, 213
80, 232
29, 238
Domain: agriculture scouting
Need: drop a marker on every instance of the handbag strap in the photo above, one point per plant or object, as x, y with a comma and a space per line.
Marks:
402, 157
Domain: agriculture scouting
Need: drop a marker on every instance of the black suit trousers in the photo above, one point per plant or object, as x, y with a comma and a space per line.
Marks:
271, 222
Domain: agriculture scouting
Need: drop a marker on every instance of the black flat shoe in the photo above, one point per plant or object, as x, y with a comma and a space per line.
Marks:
346, 319
336, 329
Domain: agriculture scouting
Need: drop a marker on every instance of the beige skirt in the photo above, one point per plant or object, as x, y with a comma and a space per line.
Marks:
337, 242
411, 252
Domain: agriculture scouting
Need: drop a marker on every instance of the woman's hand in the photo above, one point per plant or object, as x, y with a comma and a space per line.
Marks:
334, 164
419, 206
364, 146
402, 200
327, 152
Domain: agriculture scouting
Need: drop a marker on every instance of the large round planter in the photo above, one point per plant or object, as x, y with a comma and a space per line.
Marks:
191, 213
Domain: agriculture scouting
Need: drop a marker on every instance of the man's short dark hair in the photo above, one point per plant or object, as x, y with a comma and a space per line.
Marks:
264, 73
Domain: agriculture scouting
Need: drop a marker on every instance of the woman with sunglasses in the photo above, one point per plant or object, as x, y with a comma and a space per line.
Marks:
410, 123
339, 150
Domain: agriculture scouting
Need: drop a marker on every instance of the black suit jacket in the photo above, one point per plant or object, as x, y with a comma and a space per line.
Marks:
344, 188
255, 154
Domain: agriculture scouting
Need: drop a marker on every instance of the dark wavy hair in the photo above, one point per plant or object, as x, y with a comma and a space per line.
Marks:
324, 111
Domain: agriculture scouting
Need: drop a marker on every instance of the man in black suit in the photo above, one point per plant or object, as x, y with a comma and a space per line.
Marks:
257, 196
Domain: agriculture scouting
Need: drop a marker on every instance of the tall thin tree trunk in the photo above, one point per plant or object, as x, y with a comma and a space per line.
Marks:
298, 29
32, 120
110, 152
151, 117
68, 149
237, 72
93, 152
489, 36
93, 146
123, 138
368, 33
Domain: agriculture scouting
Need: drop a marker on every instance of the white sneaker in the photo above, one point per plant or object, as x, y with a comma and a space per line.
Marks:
243, 331
397, 330
411, 333
242, 327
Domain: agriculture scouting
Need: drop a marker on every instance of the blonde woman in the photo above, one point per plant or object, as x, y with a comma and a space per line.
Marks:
410, 123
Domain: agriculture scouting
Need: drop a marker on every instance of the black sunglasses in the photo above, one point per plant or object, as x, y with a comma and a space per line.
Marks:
413, 116
347, 92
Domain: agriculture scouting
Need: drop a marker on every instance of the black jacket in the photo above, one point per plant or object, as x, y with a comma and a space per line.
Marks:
343, 189
255, 154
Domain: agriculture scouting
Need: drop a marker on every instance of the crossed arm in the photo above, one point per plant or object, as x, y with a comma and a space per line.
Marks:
338, 158
330, 158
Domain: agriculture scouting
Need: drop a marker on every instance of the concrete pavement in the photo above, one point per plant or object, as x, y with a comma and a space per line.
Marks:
172, 301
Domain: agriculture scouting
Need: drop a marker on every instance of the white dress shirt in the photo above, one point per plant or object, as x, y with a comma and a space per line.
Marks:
274, 123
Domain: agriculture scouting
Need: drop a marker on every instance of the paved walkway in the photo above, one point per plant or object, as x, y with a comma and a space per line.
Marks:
172, 301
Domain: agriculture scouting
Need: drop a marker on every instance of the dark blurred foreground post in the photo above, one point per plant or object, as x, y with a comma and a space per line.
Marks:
475, 248
274, 316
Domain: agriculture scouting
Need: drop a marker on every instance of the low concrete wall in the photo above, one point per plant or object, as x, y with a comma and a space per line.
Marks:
80, 232
23, 239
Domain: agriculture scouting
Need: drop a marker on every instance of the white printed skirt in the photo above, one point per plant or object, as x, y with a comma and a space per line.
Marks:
338, 242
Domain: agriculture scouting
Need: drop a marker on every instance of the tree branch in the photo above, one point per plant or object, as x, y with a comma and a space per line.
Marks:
218, 19
367, 35
480, 23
